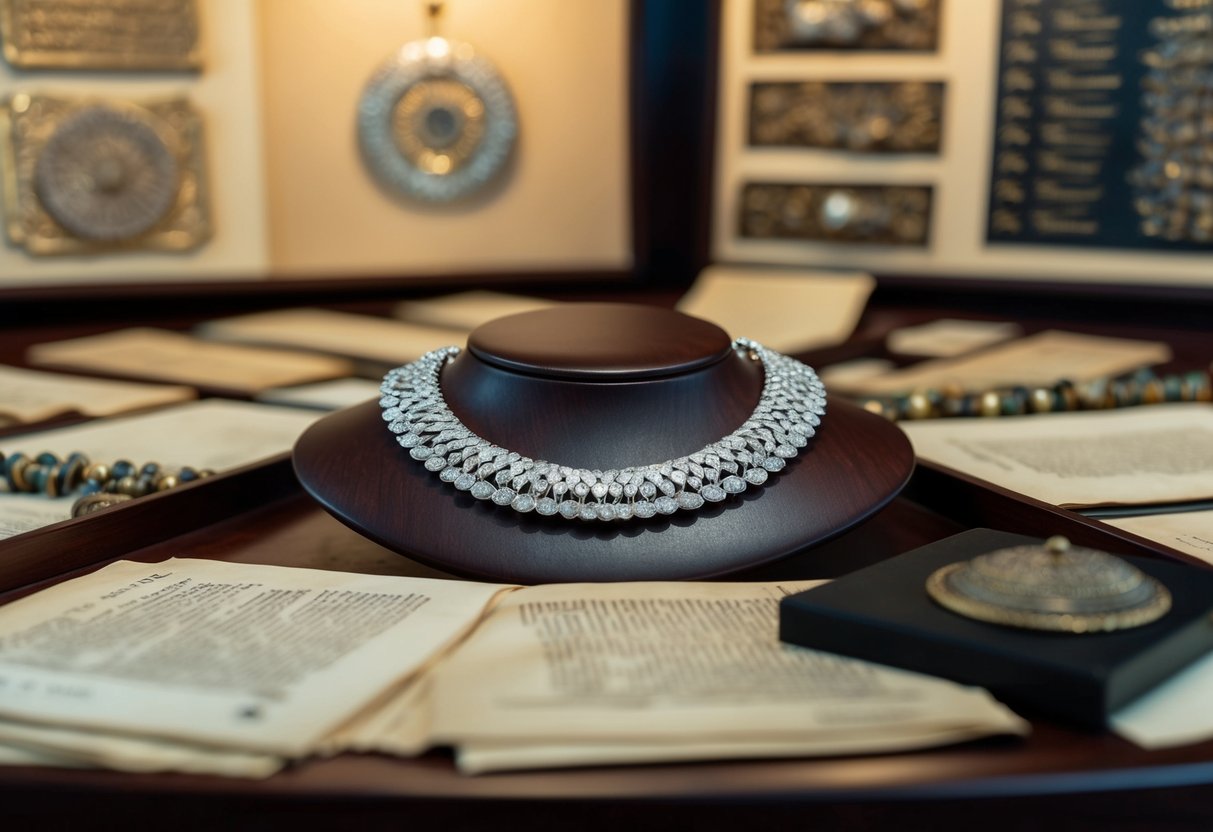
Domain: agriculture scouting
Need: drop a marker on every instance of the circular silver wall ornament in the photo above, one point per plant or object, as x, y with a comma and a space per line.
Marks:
436, 122
109, 173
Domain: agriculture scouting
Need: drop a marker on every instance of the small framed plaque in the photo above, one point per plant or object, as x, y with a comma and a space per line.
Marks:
101, 34
92, 175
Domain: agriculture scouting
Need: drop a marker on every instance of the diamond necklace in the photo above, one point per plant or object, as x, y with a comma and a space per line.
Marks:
789, 410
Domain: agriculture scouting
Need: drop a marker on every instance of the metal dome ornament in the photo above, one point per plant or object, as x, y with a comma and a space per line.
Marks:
436, 122
1055, 587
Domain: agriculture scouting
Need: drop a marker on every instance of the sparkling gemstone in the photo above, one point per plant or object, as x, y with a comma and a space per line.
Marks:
420, 452
644, 508
485, 454
588, 511
624, 511
391, 414
606, 511
568, 509
774, 463
694, 483
666, 505
483, 490
581, 489
678, 478
756, 476
523, 502
389, 401
648, 490
449, 474
485, 471
435, 463
465, 481
615, 490
504, 496
502, 477
518, 482
540, 484
733, 485
713, 493
409, 440
668, 488
599, 490
398, 426
470, 465
559, 489
629, 491
785, 451
545, 506
689, 500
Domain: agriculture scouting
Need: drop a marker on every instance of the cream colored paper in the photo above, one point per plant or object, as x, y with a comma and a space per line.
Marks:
1136, 456
849, 374
253, 658
213, 433
162, 355
1190, 532
335, 333
32, 396
789, 310
478, 758
632, 668
1039, 359
465, 311
323, 395
93, 749
1175, 713
948, 337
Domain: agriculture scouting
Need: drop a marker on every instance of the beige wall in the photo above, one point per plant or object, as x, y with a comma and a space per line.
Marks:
563, 205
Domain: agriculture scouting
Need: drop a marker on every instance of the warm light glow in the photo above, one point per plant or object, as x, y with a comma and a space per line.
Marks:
437, 47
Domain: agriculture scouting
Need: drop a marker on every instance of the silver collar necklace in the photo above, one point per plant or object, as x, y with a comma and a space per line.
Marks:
789, 410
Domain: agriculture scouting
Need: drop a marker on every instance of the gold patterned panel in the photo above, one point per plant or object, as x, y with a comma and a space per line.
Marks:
94, 175
101, 34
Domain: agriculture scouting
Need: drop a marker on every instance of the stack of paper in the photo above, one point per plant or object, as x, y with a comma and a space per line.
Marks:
238, 669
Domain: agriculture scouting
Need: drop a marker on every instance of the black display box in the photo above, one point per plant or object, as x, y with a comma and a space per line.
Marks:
883, 614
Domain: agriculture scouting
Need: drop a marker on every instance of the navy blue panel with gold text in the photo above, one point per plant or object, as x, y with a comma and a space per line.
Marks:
1104, 124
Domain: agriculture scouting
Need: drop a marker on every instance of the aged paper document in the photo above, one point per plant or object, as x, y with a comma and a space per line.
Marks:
785, 309
1190, 532
252, 658
1039, 359
32, 396
1136, 456
336, 333
947, 337
162, 355
1176, 712
586, 673
323, 395
464, 311
212, 433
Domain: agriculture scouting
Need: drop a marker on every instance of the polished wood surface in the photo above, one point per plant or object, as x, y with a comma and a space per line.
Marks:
600, 342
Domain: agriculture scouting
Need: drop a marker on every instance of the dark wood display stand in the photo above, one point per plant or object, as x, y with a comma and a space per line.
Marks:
601, 386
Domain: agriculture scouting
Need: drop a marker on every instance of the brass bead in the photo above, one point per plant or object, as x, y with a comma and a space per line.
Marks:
127, 485
990, 405
874, 406
98, 471
918, 406
167, 481
1042, 400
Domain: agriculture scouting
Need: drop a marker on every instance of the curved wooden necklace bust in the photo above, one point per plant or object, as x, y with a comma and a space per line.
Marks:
600, 386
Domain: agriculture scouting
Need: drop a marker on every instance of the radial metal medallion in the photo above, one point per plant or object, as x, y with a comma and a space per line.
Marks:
108, 174
436, 122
